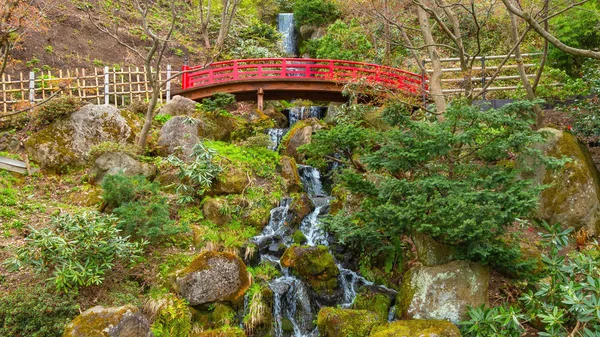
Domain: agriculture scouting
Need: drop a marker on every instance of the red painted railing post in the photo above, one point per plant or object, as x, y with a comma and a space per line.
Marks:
184, 77
235, 70
330, 69
283, 68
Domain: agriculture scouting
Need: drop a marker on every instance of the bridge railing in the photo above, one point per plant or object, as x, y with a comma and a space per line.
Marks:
294, 68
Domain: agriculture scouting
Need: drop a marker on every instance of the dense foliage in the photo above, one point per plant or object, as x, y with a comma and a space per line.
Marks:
342, 42
218, 102
567, 303
35, 311
315, 12
77, 252
198, 174
454, 180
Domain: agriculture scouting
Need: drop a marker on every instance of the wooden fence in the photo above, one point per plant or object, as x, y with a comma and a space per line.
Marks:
484, 68
108, 85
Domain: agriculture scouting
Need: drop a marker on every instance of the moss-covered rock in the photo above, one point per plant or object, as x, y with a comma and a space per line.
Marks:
573, 199
316, 266
258, 321
300, 134
179, 135
119, 162
98, 321
213, 277
179, 105
278, 118
223, 332
431, 253
212, 211
300, 208
442, 292
232, 181
299, 237
217, 316
417, 328
334, 322
374, 302
289, 173
67, 143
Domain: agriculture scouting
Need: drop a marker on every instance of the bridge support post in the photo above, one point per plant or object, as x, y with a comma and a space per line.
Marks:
260, 99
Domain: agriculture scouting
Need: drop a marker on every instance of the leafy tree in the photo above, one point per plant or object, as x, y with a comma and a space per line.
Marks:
342, 42
454, 180
315, 12
78, 251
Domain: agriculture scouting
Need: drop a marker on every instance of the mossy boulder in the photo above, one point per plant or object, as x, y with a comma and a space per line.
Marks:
316, 266
299, 237
213, 277
417, 328
442, 292
220, 126
375, 302
334, 322
300, 208
278, 118
179, 105
67, 143
289, 173
179, 135
231, 181
223, 332
119, 162
300, 134
431, 253
573, 199
212, 211
217, 316
99, 321
259, 318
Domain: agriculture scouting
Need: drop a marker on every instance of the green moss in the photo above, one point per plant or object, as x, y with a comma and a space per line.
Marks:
333, 322
405, 295
299, 237
374, 302
214, 316
313, 264
223, 332
417, 328
93, 322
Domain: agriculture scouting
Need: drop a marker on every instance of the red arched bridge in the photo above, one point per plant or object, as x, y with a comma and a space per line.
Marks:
292, 78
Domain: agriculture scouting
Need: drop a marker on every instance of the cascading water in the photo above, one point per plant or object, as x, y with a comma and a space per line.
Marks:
301, 112
291, 297
285, 26
276, 135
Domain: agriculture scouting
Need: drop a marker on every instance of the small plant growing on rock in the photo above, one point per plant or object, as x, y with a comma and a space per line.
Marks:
57, 108
78, 251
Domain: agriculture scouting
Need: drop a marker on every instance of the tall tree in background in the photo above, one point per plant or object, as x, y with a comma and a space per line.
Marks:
204, 12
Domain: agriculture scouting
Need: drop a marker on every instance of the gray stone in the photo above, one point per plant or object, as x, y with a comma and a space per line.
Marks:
98, 321
318, 33
179, 135
306, 31
114, 162
443, 292
431, 253
67, 143
179, 105
213, 277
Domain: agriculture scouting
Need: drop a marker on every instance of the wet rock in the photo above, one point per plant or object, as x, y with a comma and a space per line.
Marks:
442, 292
573, 199
334, 322
213, 277
99, 321
289, 173
179, 105
67, 143
114, 162
300, 208
417, 328
212, 211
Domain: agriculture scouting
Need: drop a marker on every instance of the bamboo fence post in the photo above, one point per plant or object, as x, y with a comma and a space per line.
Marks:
106, 85
97, 91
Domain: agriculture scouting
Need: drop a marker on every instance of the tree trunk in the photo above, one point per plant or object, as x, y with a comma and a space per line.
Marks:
149, 117
435, 81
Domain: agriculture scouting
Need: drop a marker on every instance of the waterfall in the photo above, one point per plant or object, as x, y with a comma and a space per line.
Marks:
301, 112
286, 28
276, 135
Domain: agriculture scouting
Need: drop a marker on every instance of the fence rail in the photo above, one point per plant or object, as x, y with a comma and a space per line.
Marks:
108, 85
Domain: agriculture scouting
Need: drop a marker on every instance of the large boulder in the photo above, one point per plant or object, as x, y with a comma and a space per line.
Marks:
375, 302
289, 173
179, 135
417, 328
334, 322
212, 211
431, 253
278, 118
213, 277
231, 181
573, 198
114, 162
99, 321
300, 134
179, 105
316, 266
443, 292
67, 143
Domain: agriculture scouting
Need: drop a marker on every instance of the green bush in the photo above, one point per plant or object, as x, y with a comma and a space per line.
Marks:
36, 311
342, 42
58, 108
196, 176
173, 317
315, 12
77, 252
217, 102
142, 211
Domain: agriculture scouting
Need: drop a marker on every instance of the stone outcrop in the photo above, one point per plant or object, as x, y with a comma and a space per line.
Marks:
334, 322
442, 292
289, 173
417, 328
299, 135
179, 135
99, 321
212, 211
179, 105
573, 198
67, 143
213, 277
114, 162
374, 302
431, 253
230, 181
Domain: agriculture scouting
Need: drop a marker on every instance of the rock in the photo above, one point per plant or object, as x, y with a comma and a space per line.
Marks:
212, 211
300, 208
306, 31
114, 162
373, 302
316, 266
299, 237
67, 143
99, 321
443, 292
417, 328
223, 332
289, 173
179, 105
318, 33
179, 135
573, 199
213, 277
431, 253
231, 181
333, 322
220, 314
278, 118
299, 135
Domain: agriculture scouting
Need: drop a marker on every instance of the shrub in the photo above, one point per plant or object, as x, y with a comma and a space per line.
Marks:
36, 311
342, 42
142, 211
197, 176
172, 316
78, 251
58, 108
218, 101
315, 12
